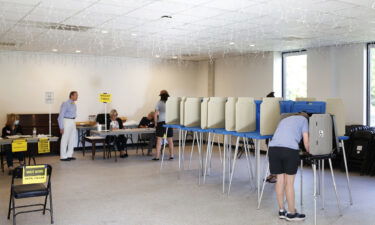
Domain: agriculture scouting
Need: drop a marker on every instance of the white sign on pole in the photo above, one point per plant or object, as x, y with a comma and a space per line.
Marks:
49, 97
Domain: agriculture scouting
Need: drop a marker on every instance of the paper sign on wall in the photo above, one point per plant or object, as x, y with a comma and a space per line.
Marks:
34, 174
105, 98
43, 146
19, 145
49, 97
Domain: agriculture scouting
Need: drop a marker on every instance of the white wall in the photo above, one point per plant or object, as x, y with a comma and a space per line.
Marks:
134, 83
339, 71
250, 75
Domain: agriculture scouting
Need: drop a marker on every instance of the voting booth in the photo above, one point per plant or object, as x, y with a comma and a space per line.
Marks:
204, 112
335, 106
245, 115
182, 110
230, 114
216, 112
172, 110
269, 115
192, 112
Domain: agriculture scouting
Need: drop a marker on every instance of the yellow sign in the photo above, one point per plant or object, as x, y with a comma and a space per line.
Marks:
19, 145
34, 174
43, 146
105, 98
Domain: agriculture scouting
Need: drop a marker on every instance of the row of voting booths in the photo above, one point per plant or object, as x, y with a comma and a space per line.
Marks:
243, 118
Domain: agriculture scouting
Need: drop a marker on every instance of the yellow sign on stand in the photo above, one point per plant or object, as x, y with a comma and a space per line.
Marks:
19, 145
34, 174
43, 146
105, 98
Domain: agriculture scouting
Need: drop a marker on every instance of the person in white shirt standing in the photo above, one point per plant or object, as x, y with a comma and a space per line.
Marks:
66, 119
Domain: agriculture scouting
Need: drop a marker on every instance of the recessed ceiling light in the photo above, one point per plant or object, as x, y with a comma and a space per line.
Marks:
54, 50
104, 31
252, 45
134, 34
157, 56
174, 57
166, 17
231, 43
78, 51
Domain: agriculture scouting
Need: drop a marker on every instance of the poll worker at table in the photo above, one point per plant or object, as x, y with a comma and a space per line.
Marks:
12, 127
66, 120
148, 122
284, 160
159, 119
120, 141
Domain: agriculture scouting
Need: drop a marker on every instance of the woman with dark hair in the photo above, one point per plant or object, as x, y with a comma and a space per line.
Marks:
12, 127
159, 119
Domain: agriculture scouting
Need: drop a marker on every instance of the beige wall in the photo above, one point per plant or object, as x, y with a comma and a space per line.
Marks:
134, 83
250, 75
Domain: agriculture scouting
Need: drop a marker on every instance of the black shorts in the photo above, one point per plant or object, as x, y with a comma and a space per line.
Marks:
283, 160
160, 130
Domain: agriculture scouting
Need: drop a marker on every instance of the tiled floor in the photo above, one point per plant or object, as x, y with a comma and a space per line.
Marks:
133, 191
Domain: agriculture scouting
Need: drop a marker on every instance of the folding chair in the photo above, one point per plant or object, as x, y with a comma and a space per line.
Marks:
20, 191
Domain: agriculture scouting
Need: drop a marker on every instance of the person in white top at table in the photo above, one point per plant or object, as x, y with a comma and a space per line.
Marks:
120, 141
66, 119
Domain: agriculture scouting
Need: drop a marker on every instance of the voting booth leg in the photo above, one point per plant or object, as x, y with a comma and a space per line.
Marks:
249, 163
224, 159
334, 186
315, 191
347, 172
218, 143
200, 154
207, 156
233, 164
192, 150
210, 157
164, 144
266, 173
322, 182
179, 148
257, 155
183, 151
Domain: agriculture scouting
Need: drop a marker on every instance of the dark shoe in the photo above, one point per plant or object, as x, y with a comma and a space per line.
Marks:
124, 156
282, 214
10, 173
65, 159
155, 159
171, 158
295, 216
72, 158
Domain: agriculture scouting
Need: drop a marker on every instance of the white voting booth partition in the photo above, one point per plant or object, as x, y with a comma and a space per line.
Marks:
204, 113
309, 99
216, 112
192, 112
172, 110
182, 110
269, 115
245, 115
230, 114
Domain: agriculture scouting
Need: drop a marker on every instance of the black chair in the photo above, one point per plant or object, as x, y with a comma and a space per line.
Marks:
20, 191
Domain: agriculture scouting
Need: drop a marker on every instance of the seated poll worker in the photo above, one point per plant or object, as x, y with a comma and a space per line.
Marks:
148, 122
284, 160
12, 127
159, 119
120, 141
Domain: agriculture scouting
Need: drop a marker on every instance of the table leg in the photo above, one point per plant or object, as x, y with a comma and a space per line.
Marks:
93, 149
2, 158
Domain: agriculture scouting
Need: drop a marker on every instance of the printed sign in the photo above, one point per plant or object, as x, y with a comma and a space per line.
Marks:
105, 98
43, 146
34, 174
19, 145
49, 97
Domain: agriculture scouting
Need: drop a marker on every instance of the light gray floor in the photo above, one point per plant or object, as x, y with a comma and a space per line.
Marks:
133, 191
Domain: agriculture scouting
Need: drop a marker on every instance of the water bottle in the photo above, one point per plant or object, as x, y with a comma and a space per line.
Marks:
34, 132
